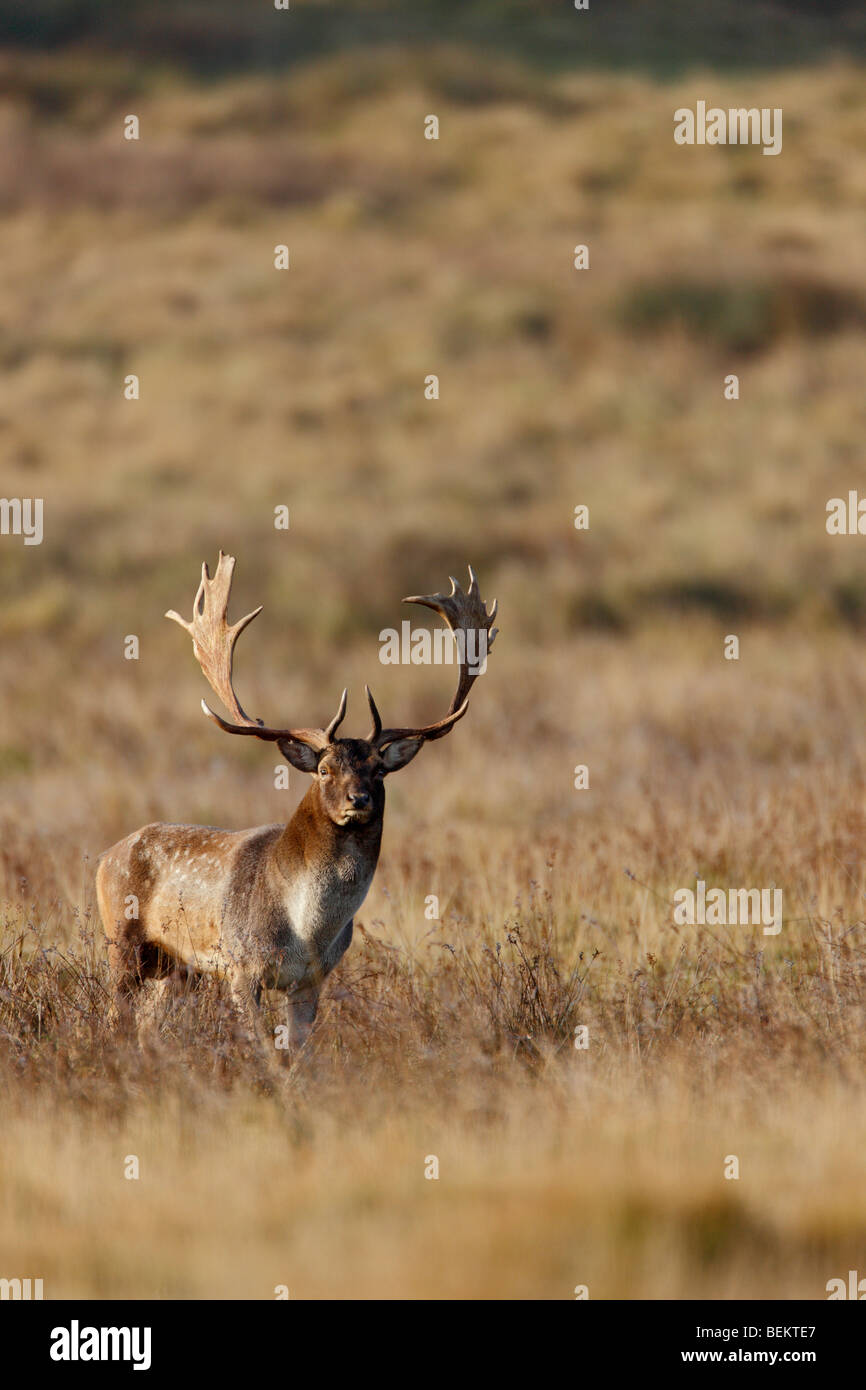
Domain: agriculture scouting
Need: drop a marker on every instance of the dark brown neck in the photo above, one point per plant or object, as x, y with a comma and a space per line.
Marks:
311, 838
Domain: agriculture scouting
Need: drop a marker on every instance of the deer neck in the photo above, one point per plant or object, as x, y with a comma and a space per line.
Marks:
313, 842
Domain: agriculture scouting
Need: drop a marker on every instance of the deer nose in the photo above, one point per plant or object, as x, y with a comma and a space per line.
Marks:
359, 799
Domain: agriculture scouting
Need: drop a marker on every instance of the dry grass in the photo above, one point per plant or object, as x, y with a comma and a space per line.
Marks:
558, 1167
454, 1038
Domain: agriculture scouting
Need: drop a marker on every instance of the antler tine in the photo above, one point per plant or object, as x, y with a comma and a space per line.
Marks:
213, 642
337, 719
377, 718
465, 612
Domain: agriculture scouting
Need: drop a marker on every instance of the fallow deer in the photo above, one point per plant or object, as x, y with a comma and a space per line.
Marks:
271, 907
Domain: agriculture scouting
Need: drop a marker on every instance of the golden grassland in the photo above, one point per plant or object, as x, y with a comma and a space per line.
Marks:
454, 1037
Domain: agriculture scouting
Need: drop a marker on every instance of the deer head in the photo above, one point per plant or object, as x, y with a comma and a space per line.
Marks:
348, 773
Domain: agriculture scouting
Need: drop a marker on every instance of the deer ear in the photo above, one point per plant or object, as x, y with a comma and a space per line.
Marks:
399, 753
300, 755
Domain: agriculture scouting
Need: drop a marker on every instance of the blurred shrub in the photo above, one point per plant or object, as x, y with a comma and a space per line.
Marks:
744, 316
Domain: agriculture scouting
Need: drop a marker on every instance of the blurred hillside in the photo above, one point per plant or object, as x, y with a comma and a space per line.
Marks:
409, 257
664, 38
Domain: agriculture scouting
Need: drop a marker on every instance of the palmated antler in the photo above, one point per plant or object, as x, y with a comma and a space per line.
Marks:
213, 643
465, 613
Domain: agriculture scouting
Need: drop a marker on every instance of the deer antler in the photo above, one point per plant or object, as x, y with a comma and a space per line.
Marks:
465, 613
213, 643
